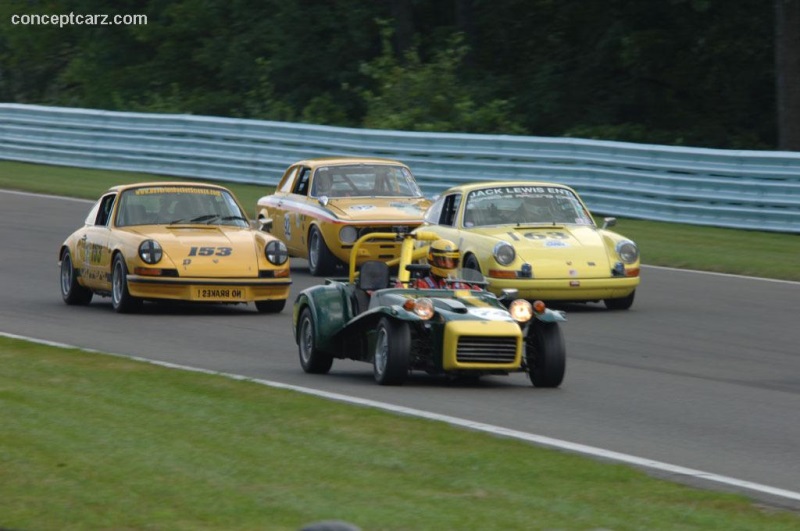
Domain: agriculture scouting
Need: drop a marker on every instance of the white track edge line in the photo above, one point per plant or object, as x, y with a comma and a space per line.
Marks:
455, 421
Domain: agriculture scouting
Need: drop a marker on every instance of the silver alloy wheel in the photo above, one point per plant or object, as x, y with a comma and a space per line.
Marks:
314, 250
306, 340
116, 283
381, 351
66, 274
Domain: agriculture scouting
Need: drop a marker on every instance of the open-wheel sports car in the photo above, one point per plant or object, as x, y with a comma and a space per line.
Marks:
539, 238
172, 240
400, 328
322, 206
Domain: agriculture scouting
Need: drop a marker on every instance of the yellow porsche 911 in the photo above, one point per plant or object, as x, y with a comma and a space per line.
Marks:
172, 240
539, 238
322, 206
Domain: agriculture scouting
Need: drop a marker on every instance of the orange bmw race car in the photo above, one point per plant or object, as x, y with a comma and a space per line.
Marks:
322, 206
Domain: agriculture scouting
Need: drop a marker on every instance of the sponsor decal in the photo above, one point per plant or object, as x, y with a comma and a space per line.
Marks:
177, 190
360, 208
491, 314
287, 226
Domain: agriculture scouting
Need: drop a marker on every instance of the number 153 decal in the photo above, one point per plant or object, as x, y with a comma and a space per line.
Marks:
210, 251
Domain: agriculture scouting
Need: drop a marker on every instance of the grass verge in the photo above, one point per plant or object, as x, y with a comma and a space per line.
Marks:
100, 442
755, 253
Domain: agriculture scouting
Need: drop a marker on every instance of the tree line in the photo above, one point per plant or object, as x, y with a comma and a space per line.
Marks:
705, 73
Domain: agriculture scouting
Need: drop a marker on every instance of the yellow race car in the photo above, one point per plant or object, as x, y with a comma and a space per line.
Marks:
539, 238
322, 206
172, 240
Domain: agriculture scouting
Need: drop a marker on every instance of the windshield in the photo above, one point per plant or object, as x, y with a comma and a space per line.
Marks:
163, 205
364, 180
520, 205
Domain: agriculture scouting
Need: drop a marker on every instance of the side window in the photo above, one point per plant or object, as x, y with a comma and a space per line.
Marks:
450, 209
301, 187
104, 212
434, 212
288, 180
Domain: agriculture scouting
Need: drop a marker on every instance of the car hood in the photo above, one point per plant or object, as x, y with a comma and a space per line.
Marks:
557, 251
408, 209
206, 251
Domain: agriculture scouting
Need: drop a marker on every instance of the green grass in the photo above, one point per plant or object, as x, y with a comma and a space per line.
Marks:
756, 253
101, 442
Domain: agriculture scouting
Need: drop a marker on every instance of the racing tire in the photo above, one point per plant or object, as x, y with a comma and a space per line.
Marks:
321, 261
71, 291
121, 299
620, 304
392, 352
470, 262
545, 354
313, 360
270, 306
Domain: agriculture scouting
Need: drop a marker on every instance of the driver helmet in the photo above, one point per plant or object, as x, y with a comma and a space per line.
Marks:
443, 257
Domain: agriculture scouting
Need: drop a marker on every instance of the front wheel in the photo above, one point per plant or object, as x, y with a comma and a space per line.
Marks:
313, 360
121, 300
545, 354
270, 306
620, 304
392, 352
320, 259
470, 262
71, 291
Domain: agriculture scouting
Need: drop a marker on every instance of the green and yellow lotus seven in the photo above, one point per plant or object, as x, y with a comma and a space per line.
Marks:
453, 332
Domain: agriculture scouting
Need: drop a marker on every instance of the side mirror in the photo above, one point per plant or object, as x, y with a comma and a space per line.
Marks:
265, 224
609, 222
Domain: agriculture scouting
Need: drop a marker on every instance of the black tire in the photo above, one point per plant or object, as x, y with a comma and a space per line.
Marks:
313, 360
620, 304
470, 262
545, 354
392, 352
121, 299
270, 306
321, 261
71, 291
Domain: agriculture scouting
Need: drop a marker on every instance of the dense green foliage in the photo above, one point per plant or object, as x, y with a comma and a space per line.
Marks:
689, 72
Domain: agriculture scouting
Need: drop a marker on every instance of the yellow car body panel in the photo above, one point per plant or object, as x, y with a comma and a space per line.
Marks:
559, 256
459, 334
213, 258
366, 194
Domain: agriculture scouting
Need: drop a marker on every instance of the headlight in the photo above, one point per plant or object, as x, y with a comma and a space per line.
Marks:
348, 234
423, 307
628, 251
150, 252
276, 252
521, 310
504, 253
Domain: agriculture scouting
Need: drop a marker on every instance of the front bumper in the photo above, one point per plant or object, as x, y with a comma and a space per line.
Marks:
567, 289
209, 289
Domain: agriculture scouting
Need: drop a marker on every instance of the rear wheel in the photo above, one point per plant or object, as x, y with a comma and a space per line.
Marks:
620, 304
313, 360
270, 306
320, 259
71, 291
545, 354
121, 299
392, 352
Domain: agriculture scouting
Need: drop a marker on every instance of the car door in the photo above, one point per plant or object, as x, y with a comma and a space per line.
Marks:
292, 213
94, 246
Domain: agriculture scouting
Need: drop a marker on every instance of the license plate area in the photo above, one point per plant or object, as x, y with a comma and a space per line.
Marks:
219, 293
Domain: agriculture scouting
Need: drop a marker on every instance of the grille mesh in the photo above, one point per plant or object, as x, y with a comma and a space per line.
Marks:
482, 349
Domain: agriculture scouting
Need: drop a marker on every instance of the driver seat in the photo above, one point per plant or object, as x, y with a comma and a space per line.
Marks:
373, 275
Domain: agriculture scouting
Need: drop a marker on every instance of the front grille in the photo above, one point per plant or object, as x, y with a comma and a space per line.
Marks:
482, 349
383, 228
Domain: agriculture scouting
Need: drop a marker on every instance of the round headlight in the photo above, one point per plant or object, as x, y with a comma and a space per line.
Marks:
627, 251
504, 253
423, 307
150, 252
521, 310
348, 234
276, 252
